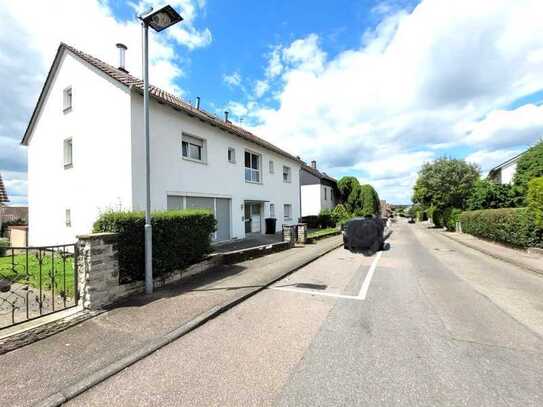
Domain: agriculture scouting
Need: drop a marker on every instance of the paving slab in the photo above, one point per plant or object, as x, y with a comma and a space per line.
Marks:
57, 365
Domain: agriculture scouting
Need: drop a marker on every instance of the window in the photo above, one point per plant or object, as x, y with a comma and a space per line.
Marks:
68, 218
325, 193
252, 167
287, 211
286, 174
67, 99
272, 210
68, 153
271, 167
193, 148
231, 155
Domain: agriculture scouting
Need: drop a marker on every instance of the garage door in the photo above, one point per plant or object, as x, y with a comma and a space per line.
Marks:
219, 206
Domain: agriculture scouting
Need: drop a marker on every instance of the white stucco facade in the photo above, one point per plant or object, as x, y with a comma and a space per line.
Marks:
508, 172
105, 125
317, 197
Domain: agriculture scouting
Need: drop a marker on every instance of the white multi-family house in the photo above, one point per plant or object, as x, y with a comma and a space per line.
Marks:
86, 155
504, 172
319, 191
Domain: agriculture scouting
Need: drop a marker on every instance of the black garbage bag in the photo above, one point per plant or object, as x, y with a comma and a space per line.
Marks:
361, 234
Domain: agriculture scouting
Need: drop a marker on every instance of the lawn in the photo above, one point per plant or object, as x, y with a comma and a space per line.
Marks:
320, 232
14, 269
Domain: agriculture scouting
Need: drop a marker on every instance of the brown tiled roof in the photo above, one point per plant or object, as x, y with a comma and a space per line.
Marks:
3, 193
160, 95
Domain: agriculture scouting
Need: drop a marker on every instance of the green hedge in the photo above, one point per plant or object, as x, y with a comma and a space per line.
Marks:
450, 217
512, 226
180, 238
535, 199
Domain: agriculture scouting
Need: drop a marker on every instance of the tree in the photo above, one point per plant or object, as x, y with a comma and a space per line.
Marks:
445, 183
346, 186
369, 201
529, 166
490, 195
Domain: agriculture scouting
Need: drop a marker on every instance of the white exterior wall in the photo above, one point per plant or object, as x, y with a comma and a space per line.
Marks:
99, 125
508, 172
173, 175
311, 199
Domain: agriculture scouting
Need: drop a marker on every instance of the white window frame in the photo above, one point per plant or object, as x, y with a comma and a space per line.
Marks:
288, 173
255, 174
271, 169
68, 151
231, 155
67, 99
68, 218
191, 140
287, 211
272, 210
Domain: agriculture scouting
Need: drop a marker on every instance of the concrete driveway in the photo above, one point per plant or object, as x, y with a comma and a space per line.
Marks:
428, 322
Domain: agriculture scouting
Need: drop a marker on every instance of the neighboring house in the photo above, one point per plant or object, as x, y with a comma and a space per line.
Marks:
86, 155
13, 213
3, 199
386, 209
319, 191
505, 172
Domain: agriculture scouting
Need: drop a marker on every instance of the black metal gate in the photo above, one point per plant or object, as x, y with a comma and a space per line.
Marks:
36, 281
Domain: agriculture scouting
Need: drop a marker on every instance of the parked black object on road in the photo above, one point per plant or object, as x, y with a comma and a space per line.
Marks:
270, 226
362, 234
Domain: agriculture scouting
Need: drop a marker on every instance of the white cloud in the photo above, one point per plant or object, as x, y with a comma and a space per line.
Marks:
419, 82
261, 87
233, 79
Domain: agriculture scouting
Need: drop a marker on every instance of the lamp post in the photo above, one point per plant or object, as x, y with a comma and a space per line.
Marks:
158, 20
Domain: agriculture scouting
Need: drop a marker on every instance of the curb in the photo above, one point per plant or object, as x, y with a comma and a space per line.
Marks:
71, 391
496, 256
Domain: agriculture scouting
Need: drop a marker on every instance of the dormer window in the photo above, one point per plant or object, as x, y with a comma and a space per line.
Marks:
67, 99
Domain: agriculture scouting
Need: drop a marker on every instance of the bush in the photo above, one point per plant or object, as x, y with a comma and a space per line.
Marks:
4, 244
512, 226
450, 217
490, 195
529, 166
312, 221
326, 219
340, 214
534, 198
180, 238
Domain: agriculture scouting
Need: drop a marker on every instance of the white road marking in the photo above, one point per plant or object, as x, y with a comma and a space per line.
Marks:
299, 290
361, 295
364, 289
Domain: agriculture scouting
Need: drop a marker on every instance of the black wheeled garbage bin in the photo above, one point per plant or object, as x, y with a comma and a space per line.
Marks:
270, 226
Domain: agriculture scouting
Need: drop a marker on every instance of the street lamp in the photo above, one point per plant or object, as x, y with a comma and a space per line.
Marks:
158, 20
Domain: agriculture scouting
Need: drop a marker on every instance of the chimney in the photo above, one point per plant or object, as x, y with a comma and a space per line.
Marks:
122, 52
226, 117
314, 164
198, 102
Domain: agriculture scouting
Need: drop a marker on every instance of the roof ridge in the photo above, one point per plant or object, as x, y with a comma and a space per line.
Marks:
165, 96
3, 194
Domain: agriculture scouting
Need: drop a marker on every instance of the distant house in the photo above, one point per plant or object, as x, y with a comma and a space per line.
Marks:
319, 191
505, 172
86, 142
3, 194
386, 209
15, 213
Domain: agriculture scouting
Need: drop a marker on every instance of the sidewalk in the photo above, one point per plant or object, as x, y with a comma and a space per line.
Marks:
519, 258
56, 367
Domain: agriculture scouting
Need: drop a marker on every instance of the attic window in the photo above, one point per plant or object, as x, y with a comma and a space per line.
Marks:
67, 99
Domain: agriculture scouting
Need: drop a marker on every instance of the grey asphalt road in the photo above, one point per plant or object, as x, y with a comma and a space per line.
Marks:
437, 324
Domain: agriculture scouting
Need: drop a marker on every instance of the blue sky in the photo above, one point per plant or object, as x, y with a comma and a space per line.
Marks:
367, 88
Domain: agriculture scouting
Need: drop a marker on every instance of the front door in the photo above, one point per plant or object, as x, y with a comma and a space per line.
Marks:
252, 218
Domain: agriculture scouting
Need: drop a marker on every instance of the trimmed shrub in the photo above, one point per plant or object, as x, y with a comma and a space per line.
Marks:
4, 244
312, 221
450, 217
326, 220
513, 226
535, 200
180, 238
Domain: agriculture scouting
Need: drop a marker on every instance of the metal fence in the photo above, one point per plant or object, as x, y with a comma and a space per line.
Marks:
37, 281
